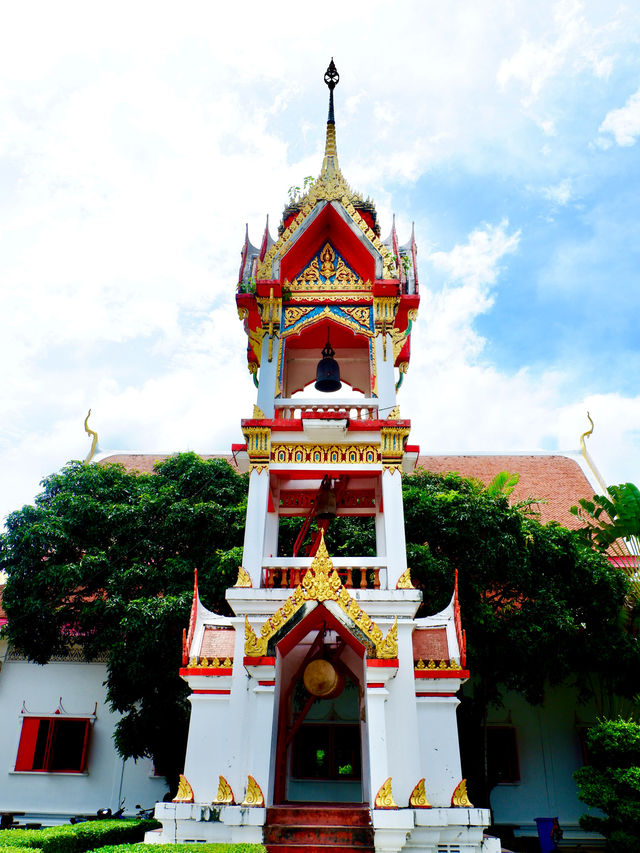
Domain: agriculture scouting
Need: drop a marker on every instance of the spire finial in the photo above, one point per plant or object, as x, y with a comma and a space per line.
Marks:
331, 78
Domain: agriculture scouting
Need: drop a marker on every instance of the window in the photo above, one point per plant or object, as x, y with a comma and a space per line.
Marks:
502, 755
53, 745
327, 752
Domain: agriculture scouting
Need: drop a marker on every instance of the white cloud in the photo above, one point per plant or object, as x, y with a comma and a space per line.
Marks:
624, 123
560, 193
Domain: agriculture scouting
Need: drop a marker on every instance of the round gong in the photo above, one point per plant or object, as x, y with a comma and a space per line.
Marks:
320, 677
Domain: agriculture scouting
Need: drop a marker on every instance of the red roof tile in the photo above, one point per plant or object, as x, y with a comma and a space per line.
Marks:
430, 644
218, 643
556, 479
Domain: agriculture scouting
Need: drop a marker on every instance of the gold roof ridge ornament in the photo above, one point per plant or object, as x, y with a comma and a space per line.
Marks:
94, 442
321, 583
588, 459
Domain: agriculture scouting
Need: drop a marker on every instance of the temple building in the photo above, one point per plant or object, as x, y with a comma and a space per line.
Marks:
323, 711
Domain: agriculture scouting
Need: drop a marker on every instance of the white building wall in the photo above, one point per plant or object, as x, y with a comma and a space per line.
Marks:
549, 751
54, 797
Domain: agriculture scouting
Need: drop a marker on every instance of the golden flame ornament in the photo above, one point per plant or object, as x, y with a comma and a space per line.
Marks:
224, 796
244, 581
254, 796
185, 792
418, 798
384, 797
460, 798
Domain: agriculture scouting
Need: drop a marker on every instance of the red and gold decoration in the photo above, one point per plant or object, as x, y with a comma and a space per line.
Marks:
418, 798
224, 797
185, 792
384, 797
254, 796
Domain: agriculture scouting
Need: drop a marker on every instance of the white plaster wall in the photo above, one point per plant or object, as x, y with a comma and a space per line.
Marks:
439, 747
55, 796
549, 751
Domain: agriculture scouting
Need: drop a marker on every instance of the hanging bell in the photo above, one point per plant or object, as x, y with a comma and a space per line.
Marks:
327, 371
326, 505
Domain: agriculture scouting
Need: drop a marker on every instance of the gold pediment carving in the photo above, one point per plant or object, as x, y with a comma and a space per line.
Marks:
322, 583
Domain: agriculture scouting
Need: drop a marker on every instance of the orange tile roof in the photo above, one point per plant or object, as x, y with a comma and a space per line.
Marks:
558, 480
144, 462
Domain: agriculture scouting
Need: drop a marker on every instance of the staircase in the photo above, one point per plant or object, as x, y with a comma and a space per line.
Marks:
318, 829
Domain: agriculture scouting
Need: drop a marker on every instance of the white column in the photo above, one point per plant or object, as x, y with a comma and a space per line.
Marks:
393, 525
385, 374
377, 737
268, 376
262, 744
254, 531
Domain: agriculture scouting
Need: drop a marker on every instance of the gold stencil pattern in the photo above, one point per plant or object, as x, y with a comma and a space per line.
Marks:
185, 792
254, 796
418, 798
321, 454
321, 583
225, 794
459, 798
384, 797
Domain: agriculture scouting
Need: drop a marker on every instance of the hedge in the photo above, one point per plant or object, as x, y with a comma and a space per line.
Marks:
184, 848
77, 838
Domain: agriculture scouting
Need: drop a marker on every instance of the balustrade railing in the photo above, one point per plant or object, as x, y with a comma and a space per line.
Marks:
288, 409
356, 573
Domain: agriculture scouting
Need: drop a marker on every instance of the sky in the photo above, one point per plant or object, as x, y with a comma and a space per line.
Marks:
137, 139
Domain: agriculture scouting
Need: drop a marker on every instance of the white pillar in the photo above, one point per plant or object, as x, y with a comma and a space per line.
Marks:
377, 736
394, 525
261, 746
385, 374
268, 375
254, 531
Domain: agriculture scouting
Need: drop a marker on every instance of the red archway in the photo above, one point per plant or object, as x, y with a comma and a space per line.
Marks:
319, 755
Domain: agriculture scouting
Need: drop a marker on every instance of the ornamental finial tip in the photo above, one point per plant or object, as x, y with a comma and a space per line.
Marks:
331, 76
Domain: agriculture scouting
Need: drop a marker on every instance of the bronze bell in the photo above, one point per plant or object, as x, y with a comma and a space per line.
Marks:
327, 371
326, 504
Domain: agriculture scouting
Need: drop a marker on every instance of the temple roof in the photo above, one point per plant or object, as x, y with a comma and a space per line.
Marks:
558, 481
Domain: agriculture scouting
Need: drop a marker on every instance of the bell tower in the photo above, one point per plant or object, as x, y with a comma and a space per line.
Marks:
324, 703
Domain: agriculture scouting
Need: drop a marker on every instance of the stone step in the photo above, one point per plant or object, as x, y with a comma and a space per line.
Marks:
355, 837
321, 815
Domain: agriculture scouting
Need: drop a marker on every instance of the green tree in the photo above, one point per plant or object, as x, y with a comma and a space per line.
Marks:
106, 557
612, 523
611, 782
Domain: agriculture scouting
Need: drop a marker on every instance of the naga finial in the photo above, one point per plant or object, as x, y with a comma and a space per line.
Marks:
94, 442
587, 456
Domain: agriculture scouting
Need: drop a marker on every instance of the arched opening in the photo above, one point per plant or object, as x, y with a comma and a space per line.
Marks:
302, 351
321, 741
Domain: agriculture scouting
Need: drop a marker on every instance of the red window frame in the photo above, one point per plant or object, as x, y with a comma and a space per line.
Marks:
53, 745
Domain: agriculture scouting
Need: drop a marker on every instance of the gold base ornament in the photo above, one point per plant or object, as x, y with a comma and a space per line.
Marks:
254, 796
224, 796
459, 798
384, 797
185, 792
418, 798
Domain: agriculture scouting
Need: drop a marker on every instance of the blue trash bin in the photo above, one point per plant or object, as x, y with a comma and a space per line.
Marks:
549, 833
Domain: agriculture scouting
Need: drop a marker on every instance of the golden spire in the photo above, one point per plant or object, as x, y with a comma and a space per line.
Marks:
330, 165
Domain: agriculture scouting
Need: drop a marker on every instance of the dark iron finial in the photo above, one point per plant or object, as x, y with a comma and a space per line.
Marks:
331, 76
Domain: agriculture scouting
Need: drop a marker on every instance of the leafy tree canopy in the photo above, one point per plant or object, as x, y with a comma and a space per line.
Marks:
611, 782
107, 556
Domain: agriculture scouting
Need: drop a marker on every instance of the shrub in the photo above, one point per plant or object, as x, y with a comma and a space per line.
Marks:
78, 838
184, 848
611, 783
